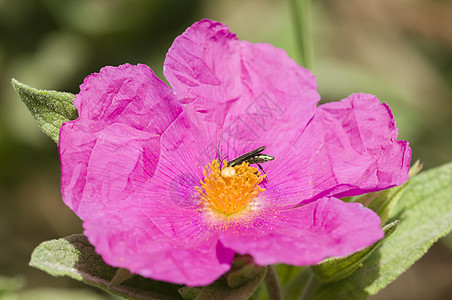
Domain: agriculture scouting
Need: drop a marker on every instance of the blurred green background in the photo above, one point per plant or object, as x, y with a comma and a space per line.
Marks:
399, 50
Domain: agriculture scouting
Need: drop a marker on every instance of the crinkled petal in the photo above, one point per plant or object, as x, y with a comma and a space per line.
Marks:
126, 94
113, 146
349, 148
307, 234
107, 165
359, 147
126, 237
255, 92
103, 167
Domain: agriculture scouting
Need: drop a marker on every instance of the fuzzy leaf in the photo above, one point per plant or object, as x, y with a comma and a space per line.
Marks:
425, 214
221, 289
189, 293
75, 257
243, 270
120, 276
49, 108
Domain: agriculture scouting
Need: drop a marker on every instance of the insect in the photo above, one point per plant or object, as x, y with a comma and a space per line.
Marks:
253, 157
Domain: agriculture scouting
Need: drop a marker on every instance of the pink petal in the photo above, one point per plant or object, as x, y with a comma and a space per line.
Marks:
99, 168
153, 227
187, 148
255, 92
349, 148
125, 237
127, 94
359, 148
307, 234
114, 144
108, 163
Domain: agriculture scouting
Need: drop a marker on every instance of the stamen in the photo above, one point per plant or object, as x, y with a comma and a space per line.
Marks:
229, 189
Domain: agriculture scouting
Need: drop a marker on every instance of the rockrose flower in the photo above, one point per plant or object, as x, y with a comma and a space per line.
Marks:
140, 165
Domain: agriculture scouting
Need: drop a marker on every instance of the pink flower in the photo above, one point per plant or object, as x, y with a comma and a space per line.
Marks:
135, 164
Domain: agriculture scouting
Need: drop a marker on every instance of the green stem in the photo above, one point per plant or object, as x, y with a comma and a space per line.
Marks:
272, 284
310, 287
302, 21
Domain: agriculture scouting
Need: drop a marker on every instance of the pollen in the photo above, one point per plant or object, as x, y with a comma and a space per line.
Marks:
227, 172
229, 189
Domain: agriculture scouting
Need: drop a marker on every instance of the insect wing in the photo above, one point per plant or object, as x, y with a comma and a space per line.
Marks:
259, 158
245, 157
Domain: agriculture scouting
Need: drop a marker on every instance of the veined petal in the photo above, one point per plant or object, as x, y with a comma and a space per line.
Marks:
127, 94
307, 234
126, 237
187, 147
103, 167
114, 144
255, 93
349, 148
359, 151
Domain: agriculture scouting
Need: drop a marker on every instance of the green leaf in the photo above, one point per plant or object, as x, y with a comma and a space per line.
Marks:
221, 289
334, 269
287, 272
189, 293
75, 257
9, 284
54, 294
49, 108
425, 214
243, 270
120, 276
295, 287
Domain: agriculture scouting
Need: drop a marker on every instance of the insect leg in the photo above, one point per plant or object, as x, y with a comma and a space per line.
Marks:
218, 155
262, 169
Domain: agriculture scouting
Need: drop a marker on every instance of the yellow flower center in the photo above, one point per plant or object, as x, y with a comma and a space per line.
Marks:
229, 189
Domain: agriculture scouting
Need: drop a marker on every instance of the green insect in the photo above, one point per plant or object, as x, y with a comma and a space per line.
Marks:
253, 157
